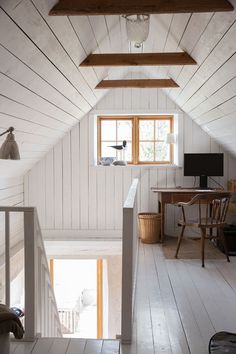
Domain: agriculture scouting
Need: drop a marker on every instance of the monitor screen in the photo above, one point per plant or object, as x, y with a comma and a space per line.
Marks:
210, 164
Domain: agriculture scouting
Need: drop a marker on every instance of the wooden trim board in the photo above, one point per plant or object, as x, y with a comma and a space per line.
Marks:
113, 7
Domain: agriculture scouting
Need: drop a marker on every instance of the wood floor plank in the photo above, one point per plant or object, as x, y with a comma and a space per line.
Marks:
188, 320
76, 346
110, 347
24, 347
198, 309
227, 270
220, 306
177, 336
43, 346
59, 346
159, 324
13, 346
93, 346
143, 316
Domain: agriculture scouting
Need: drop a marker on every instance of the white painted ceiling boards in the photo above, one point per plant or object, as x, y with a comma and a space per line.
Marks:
44, 92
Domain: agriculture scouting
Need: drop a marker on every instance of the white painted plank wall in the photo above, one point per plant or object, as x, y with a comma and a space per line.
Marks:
72, 194
11, 194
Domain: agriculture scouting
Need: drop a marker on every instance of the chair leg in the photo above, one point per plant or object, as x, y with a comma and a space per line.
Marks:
179, 241
222, 239
203, 234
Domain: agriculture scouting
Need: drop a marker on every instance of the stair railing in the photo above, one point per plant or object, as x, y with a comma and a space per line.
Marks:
129, 262
41, 313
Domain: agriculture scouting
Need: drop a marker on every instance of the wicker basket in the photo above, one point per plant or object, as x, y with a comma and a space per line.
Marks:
149, 227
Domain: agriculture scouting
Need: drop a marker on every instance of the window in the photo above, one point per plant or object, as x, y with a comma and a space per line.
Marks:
145, 136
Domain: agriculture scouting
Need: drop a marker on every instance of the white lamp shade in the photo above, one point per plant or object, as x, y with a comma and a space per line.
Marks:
170, 138
9, 148
137, 27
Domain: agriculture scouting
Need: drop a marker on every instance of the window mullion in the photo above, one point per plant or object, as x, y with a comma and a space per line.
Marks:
136, 140
154, 140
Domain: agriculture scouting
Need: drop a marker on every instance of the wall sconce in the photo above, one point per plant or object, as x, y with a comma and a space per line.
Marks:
9, 148
170, 138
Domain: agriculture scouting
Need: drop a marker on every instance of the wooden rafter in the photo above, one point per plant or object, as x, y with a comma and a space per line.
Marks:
114, 7
140, 83
140, 59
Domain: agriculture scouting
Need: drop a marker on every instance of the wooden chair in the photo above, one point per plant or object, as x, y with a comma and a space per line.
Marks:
212, 210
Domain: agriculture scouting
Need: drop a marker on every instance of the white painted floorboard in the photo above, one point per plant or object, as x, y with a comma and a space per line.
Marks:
66, 346
178, 307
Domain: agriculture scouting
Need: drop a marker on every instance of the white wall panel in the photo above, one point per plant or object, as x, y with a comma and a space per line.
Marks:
88, 197
11, 194
66, 181
58, 199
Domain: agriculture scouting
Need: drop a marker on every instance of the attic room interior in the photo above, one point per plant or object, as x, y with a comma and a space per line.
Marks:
118, 147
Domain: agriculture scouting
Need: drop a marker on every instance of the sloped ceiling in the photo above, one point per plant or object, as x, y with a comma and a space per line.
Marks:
44, 92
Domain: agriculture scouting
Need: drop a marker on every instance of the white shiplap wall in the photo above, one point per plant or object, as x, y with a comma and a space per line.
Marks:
76, 199
11, 191
11, 194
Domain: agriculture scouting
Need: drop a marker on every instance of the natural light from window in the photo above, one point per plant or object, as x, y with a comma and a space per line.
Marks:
145, 137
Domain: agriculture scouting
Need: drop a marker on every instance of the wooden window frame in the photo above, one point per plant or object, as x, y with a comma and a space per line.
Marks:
135, 119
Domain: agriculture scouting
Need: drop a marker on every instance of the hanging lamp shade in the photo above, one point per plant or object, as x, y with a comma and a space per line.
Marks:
170, 138
9, 148
137, 27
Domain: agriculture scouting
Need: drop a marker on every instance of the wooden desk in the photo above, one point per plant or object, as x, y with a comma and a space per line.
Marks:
173, 196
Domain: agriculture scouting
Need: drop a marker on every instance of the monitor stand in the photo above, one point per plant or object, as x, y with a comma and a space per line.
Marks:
203, 182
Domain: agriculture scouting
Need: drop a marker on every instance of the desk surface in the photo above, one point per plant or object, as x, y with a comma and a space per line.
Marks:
186, 190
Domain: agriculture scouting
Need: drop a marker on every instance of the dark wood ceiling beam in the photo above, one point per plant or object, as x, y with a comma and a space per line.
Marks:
114, 7
139, 83
140, 59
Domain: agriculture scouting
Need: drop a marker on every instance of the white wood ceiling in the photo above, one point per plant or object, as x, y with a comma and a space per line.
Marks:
44, 92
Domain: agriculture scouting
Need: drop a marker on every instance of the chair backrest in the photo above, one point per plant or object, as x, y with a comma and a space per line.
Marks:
212, 207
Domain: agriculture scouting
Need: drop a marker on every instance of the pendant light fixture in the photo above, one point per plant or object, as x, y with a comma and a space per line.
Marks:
9, 148
137, 27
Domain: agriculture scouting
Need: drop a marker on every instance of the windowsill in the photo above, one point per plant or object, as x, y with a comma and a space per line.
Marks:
169, 166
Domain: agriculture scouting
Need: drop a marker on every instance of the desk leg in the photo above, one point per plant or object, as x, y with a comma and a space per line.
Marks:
162, 210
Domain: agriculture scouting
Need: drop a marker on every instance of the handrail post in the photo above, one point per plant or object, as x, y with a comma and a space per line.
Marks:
5, 339
30, 280
7, 258
129, 262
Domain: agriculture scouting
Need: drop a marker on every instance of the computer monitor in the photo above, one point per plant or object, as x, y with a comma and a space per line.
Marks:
204, 165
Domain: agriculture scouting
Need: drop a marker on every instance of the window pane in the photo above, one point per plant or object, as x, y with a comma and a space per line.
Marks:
127, 153
162, 129
146, 129
162, 152
146, 151
124, 129
108, 130
107, 151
